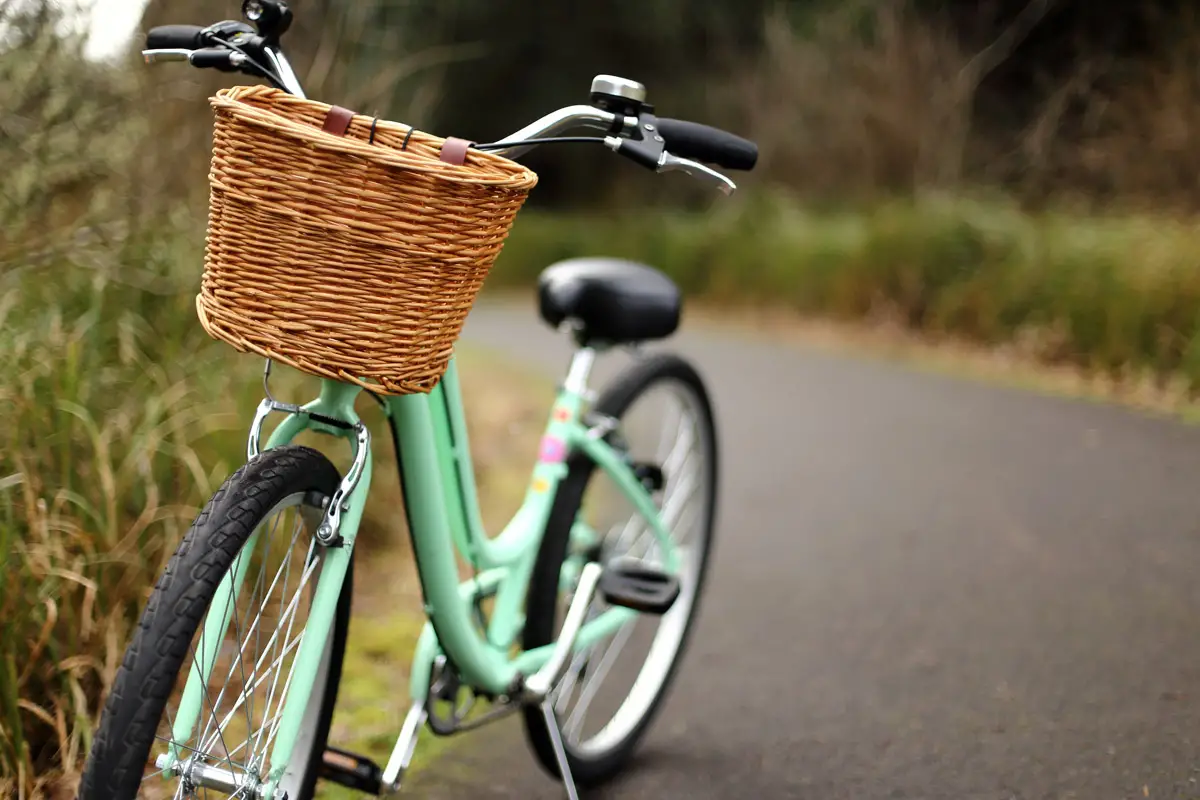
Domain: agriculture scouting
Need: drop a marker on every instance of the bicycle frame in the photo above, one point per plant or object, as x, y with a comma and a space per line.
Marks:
441, 502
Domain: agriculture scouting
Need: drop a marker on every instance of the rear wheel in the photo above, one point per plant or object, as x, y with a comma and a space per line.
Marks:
611, 672
276, 495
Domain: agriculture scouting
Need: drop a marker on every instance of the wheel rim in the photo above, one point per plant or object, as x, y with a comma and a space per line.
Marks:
688, 468
240, 707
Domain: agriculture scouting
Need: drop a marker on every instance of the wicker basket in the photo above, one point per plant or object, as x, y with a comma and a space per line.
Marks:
344, 246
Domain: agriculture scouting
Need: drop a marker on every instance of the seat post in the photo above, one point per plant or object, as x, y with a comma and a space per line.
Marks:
581, 367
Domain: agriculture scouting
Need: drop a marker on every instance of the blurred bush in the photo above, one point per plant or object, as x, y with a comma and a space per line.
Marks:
1118, 294
64, 129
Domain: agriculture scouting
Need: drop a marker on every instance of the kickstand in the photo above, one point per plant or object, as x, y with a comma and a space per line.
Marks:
560, 751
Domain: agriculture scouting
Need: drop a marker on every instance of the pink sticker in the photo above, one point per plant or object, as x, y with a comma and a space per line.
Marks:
552, 451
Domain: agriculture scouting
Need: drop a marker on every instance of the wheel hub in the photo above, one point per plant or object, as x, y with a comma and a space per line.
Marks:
196, 774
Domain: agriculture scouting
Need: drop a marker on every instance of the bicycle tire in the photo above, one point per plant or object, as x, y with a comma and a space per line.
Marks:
177, 607
541, 625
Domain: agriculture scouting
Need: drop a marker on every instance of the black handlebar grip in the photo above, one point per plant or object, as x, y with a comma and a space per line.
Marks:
705, 143
169, 37
212, 58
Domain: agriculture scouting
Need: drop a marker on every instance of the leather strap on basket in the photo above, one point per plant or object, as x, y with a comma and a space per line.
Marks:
454, 151
337, 121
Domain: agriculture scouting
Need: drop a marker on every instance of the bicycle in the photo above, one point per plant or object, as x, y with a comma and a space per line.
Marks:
522, 657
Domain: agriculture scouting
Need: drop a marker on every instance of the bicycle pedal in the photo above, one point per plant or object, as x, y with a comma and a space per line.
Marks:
634, 584
352, 771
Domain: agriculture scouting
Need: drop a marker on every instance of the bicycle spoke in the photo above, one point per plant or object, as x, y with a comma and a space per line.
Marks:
675, 503
682, 449
678, 413
154, 774
255, 628
279, 716
177, 744
272, 721
159, 772
274, 636
229, 674
266, 599
170, 722
288, 561
315, 560
241, 699
635, 525
241, 662
272, 650
566, 687
646, 541
211, 708
592, 686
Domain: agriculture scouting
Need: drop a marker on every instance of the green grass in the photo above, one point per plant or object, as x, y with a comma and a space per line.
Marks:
1109, 294
373, 696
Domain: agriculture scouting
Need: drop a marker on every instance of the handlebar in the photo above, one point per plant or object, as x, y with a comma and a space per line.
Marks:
562, 120
617, 107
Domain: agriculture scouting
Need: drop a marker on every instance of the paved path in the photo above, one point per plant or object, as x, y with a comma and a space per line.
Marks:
924, 588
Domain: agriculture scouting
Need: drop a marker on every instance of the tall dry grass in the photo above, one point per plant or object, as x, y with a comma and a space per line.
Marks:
113, 424
122, 415
113, 401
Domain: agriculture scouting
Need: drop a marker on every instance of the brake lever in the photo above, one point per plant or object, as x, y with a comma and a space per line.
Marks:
167, 54
668, 162
650, 150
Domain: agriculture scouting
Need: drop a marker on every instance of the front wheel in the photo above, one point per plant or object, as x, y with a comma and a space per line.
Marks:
680, 451
259, 525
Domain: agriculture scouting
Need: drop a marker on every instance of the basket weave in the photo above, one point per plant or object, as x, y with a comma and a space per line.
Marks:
343, 257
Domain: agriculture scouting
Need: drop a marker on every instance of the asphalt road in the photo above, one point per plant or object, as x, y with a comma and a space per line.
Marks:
923, 588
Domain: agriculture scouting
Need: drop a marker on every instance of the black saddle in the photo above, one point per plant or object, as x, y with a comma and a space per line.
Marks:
612, 300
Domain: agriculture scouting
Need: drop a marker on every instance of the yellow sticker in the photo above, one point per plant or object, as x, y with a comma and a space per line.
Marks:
540, 485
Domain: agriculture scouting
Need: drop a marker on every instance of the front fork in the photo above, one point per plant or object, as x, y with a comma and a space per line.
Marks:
332, 413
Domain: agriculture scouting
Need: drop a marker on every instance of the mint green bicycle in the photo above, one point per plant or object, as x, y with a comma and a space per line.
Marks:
229, 685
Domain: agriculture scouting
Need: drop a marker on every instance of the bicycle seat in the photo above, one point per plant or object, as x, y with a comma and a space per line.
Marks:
613, 300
